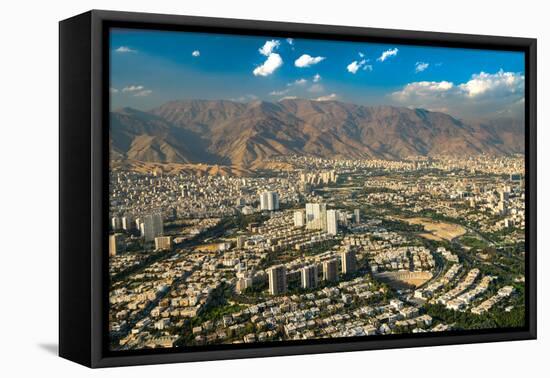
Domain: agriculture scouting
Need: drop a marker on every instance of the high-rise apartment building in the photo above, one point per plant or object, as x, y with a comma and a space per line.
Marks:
243, 284
158, 224
316, 216
115, 223
277, 279
309, 276
240, 241
349, 261
332, 222
128, 223
151, 226
269, 201
357, 216
330, 270
115, 245
299, 219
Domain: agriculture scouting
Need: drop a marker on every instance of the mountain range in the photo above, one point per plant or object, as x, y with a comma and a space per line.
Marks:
247, 134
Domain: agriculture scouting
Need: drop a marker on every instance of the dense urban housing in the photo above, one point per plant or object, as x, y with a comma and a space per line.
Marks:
302, 189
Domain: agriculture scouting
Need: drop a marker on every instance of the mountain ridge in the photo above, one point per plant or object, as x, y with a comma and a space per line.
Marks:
247, 134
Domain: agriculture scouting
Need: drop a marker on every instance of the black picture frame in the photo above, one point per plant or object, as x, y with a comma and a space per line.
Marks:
83, 167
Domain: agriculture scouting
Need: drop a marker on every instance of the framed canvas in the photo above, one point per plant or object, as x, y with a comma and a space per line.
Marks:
234, 188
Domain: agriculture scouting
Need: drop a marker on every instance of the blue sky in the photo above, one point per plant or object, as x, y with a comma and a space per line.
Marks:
149, 68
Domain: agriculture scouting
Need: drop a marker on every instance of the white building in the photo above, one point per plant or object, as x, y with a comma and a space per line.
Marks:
243, 284
114, 244
316, 216
151, 226
240, 241
309, 276
163, 243
357, 216
128, 223
269, 201
332, 222
115, 223
158, 224
299, 218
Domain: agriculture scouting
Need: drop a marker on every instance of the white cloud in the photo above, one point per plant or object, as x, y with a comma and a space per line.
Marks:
137, 90
269, 47
361, 55
388, 53
483, 94
143, 93
113, 90
290, 87
316, 88
132, 88
354, 66
279, 93
196, 53
481, 85
272, 62
290, 41
306, 60
300, 81
500, 83
330, 97
288, 98
245, 98
316, 78
420, 66
125, 49
424, 89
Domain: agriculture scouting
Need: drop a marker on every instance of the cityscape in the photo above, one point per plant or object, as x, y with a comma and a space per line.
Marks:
331, 249
243, 221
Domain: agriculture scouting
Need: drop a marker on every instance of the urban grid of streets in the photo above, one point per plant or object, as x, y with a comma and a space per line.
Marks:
316, 249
